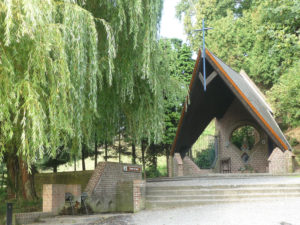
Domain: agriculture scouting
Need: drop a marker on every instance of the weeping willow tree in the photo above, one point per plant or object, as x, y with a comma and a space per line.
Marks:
67, 70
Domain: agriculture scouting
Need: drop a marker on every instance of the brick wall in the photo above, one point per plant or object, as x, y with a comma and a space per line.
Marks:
54, 196
94, 180
139, 195
185, 167
105, 179
77, 177
75, 190
26, 218
281, 162
130, 196
235, 117
177, 165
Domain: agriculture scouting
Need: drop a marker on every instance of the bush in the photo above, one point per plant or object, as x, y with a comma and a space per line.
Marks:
205, 158
160, 171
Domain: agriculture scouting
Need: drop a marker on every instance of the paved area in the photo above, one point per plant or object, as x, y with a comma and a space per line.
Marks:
250, 213
276, 212
210, 181
284, 212
97, 219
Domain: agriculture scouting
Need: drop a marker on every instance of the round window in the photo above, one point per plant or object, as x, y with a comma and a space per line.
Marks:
245, 137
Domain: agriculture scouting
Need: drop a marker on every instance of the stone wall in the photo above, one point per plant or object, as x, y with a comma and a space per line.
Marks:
102, 187
237, 116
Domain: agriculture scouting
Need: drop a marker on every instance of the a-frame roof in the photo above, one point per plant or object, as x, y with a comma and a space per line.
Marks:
223, 85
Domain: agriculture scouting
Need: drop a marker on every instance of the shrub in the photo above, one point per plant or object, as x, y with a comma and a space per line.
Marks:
205, 158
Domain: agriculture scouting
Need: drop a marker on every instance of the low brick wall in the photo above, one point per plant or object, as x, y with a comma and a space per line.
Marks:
54, 196
25, 218
102, 187
77, 177
185, 167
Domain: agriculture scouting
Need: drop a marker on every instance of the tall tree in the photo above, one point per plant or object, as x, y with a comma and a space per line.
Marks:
285, 96
66, 64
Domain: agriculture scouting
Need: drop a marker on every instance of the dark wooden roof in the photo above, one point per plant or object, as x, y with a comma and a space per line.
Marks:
223, 86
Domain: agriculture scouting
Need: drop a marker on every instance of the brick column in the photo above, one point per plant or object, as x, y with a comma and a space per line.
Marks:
53, 197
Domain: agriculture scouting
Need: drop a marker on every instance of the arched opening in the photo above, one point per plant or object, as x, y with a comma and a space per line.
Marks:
244, 138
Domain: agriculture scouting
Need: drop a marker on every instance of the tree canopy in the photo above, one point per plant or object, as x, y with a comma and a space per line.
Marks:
69, 65
260, 37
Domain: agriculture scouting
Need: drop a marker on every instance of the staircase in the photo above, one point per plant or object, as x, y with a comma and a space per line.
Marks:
178, 196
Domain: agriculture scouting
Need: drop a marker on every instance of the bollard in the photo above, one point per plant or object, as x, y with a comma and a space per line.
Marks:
9, 210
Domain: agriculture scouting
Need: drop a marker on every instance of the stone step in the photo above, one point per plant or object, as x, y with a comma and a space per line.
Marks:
209, 197
185, 203
220, 191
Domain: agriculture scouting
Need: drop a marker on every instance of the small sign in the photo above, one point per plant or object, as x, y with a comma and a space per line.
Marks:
134, 169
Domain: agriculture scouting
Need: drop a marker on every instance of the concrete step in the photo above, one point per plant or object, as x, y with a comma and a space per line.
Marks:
197, 187
203, 191
177, 196
185, 203
229, 196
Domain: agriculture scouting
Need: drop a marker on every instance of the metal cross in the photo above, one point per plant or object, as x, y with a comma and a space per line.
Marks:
203, 50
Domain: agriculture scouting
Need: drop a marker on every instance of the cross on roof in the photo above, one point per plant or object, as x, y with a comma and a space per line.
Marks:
203, 29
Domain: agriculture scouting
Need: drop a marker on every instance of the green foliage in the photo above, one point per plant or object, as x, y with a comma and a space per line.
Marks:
243, 133
71, 70
247, 169
181, 67
260, 37
205, 158
285, 95
152, 172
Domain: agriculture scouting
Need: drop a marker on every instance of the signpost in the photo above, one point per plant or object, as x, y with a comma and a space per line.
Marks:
134, 169
9, 210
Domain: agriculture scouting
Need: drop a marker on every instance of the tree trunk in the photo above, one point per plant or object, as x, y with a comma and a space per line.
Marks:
28, 190
105, 151
190, 153
12, 176
74, 163
83, 156
119, 147
167, 157
154, 162
143, 158
133, 154
2, 179
96, 153
55, 169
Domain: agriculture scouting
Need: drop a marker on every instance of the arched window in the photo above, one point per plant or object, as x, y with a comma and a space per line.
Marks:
245, 137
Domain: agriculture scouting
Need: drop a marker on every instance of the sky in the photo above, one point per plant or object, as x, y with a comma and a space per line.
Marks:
170, 26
